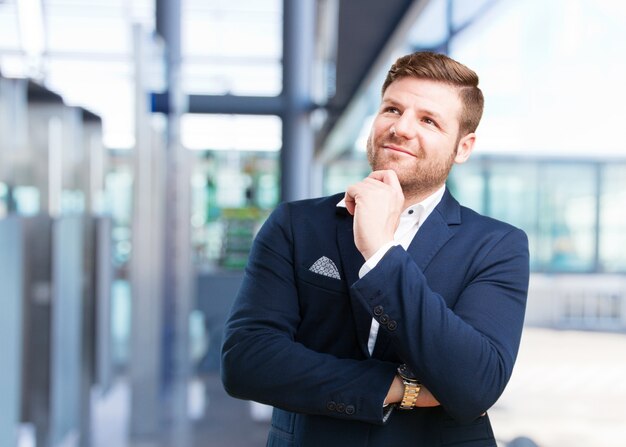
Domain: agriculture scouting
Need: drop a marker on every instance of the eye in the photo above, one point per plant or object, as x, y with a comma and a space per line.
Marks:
391, 109
429, 121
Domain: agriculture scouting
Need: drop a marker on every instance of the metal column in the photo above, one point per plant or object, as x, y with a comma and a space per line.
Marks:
298, 138
146, 262
177, 267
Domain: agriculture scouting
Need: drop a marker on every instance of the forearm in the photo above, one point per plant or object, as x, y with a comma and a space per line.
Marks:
463, 356
271, 369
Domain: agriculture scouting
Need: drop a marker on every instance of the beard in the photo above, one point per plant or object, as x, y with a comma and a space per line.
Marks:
419, 176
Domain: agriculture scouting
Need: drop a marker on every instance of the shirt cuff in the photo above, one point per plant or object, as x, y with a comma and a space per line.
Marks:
375, 258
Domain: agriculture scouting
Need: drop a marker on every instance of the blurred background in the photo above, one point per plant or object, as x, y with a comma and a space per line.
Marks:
143, 143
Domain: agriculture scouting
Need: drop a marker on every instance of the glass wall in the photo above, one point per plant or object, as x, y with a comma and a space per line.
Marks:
612, 236
572, 211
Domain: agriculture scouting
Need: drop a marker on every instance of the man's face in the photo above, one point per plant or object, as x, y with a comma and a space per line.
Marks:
416, 134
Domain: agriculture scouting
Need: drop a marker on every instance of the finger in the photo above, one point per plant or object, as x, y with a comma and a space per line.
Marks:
350, 200
387, 176
350, 205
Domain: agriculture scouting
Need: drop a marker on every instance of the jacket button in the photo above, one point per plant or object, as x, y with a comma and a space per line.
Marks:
378, 311
350, 409
392, 325
331, 406
384, 319
341, 408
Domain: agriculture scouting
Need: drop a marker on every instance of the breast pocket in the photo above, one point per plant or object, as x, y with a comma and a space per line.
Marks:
321, 281
325, 314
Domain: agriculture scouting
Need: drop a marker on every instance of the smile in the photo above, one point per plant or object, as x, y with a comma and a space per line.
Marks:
393, 148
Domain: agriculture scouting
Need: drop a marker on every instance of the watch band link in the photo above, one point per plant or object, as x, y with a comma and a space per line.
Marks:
411, 392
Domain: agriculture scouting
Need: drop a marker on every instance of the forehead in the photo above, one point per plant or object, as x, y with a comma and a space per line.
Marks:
425, 94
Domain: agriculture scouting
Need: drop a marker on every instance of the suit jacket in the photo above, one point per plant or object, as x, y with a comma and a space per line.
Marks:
451, 307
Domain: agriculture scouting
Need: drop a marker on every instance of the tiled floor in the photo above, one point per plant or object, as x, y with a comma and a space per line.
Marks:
568, 390
227, 421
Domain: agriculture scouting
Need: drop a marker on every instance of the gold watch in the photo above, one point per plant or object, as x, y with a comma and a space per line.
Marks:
412, 387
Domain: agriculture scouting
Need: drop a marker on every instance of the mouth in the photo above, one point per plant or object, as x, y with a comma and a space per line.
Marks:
394, 148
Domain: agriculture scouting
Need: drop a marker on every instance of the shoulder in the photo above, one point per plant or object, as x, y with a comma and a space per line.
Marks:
488, 233
307, 209
303, 213
475, 226
468, 219
315, 204
469, 216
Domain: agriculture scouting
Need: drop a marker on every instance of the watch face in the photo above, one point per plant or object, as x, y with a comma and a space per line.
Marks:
406, 372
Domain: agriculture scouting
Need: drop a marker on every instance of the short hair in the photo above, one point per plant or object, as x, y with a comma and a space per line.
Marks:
441, 68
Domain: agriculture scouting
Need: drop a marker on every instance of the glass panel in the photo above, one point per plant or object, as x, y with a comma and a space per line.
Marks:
528, 76
11, 330
232, 194
89, 35
613, 219
4, 200
513, 191
27, 199
218, 56
513, 197
342, 173
246, 78
566, 219
555, 204
228, 132
431, 28
467, 10
467, 184
9, 32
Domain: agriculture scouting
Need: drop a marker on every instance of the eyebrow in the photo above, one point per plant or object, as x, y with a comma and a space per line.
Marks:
437, 116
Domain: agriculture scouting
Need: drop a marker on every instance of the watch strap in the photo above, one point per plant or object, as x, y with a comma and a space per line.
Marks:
411, 392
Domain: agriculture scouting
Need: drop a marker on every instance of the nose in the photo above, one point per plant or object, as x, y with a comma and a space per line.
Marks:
406, 126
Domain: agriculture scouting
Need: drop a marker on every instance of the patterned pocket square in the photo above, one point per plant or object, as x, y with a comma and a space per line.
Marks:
326, 267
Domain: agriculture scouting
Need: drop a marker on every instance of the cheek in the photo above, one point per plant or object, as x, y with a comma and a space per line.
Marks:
377, 132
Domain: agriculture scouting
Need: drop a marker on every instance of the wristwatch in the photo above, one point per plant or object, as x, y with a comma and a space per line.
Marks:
412, 387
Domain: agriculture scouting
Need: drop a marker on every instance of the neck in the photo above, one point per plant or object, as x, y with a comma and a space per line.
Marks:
413, 197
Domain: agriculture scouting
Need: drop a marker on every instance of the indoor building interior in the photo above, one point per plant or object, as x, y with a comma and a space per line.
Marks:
144, 142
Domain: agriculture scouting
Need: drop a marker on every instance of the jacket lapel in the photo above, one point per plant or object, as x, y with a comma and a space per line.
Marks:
352, 260
438, 228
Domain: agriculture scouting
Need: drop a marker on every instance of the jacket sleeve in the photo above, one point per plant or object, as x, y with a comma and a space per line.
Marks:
465, 354
262, 361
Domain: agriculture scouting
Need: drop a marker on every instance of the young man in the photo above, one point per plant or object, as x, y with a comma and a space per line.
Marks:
388, 315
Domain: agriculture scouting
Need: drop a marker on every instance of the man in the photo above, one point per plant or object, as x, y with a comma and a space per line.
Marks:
388, 315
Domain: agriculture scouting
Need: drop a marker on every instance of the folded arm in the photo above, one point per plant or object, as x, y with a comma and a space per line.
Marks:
465, 354
261, 359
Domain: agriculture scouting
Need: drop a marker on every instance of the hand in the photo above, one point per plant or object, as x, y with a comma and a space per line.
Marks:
376, 204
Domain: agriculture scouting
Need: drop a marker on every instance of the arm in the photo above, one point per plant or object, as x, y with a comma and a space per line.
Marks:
261, 360
464, 355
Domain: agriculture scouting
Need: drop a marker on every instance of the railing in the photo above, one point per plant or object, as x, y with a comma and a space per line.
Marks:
591, 302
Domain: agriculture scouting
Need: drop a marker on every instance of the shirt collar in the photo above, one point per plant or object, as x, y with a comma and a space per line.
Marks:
428, 204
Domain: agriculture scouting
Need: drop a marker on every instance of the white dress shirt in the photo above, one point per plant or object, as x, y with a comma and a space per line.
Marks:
411, 220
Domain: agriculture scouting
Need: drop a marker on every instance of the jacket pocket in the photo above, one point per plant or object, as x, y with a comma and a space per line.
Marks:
321, 281
475, 434
282, 430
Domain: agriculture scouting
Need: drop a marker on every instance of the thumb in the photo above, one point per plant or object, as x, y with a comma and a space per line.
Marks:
350, 203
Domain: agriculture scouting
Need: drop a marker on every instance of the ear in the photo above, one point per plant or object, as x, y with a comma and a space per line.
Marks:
465, 148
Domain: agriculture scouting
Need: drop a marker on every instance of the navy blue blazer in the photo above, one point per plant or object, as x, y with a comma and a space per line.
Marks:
451, 307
